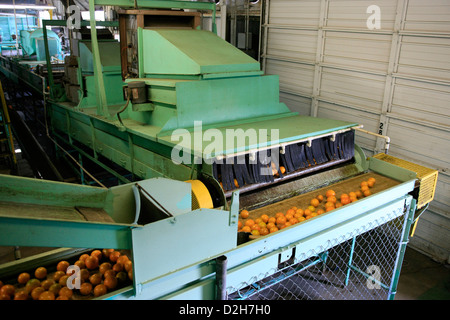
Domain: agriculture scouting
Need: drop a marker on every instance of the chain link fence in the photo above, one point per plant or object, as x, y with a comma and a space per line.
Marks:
359, 266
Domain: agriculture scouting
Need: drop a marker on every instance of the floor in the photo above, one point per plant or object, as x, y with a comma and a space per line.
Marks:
422, 278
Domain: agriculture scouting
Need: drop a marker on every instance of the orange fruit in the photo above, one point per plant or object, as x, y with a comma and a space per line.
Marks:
330, 193
358, 194
364, 183
345, 200
240, 225
104, 266
329, 204
370, 183
265, 218
338, 205
64, 291
122, 259
31, 284
55, 288
364, 188
297, 216
279, 214
110, 282
62, 266
21, 295
289, 216
270, 225
246, 229
302, 218
307, 212
315, 202
47, 295
63, 280
100, 290
371, 180
253, 227
367, 193
106, 253
264, 231
282, 169
353, 199
109, 273
294, 208
83, 257
23, 278
320, 211
91, 262
320, 198
8, 289
273, 229
80, 264
352, 194
40, 273
96, 278
84, 274
36, 292
290, 212
262, 224
255, 232
249, 222
281, 220
244, 214
85, 288
331, 199
312, 208
128, 265
97, 253
329, 209
62, 298
293, 221
272, 220
300, 212
114, 256
46, 284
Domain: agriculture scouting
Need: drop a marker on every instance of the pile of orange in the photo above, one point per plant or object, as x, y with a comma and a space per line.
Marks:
101, 271
265, 224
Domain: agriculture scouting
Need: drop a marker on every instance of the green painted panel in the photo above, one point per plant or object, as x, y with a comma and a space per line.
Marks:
109, 56
191, 52
268, 132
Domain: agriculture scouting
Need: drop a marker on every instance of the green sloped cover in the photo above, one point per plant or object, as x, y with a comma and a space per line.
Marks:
191, 52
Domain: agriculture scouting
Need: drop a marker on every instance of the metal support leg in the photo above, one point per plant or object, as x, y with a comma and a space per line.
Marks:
80, 160
401, 250
221, 278
349, 266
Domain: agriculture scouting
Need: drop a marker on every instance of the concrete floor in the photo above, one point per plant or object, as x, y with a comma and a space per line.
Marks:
422, 278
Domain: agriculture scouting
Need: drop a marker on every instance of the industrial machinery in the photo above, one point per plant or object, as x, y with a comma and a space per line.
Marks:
202, 129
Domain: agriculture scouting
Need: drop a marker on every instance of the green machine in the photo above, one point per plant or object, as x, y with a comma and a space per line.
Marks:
202, 130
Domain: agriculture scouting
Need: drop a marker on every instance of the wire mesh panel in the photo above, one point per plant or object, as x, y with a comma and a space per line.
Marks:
362, 266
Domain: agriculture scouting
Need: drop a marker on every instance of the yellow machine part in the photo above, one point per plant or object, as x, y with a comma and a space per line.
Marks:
201, 199
427, 177
427, 180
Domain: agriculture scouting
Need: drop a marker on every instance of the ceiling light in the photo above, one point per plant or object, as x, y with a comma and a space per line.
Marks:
26, 6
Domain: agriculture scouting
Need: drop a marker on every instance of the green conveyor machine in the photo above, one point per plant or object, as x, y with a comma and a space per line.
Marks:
203, 132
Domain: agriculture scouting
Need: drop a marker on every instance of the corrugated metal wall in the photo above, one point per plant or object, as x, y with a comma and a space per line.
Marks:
394, 80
